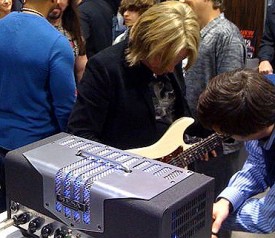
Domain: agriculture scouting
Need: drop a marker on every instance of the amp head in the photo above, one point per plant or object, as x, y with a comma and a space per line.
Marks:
67, 186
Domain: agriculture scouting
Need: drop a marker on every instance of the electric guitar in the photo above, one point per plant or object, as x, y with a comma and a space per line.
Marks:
171, 148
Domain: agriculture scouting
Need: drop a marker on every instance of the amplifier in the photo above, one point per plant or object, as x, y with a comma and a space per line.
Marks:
67, 186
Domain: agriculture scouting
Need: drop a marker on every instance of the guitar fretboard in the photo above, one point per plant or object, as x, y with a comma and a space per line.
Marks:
197, 151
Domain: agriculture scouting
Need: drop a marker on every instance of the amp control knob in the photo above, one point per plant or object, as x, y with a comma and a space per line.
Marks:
21, 219
35, 224
62, 233
47, 230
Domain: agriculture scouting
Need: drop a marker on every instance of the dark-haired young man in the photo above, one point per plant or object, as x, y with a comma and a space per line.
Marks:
131, 11
241, 103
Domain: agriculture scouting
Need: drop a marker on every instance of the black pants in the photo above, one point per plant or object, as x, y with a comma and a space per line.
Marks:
3, 153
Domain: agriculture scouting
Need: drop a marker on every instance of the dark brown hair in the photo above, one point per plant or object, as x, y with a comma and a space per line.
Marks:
218, 4
70, 22
240, 102
139, 6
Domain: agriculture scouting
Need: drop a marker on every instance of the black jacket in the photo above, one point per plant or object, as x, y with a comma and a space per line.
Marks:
114, 103
96, 20
267, 46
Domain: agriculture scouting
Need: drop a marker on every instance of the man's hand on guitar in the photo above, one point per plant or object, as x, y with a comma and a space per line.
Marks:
194, 139
211, 154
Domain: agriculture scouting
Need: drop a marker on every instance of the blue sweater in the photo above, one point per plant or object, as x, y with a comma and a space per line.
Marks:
37, 88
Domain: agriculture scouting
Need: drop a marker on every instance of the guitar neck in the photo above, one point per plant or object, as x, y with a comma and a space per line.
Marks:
197, 151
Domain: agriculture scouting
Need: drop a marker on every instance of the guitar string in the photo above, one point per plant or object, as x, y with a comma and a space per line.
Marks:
183, 161
198, 149
201, 148
193, 154
190, 150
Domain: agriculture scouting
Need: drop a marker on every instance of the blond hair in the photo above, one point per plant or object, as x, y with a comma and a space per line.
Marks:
163, 31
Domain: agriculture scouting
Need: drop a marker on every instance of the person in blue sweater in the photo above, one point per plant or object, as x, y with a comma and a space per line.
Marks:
37, 87
241, 104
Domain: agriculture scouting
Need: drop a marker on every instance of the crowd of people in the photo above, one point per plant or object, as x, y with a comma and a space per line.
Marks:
66, 70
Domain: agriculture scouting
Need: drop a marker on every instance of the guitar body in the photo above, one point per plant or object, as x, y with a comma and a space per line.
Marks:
170, 142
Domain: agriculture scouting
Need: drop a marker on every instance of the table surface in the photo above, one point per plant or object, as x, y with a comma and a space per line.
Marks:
10, 232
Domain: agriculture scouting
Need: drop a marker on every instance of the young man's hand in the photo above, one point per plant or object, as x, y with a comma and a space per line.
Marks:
221, 211
265, 67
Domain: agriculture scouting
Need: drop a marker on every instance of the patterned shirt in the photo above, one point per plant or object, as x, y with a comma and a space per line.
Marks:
252, 214
164, 97
72, 41
222, 48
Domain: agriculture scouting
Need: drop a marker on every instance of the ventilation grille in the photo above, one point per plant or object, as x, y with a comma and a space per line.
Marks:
189, 219
74, 182
121, 157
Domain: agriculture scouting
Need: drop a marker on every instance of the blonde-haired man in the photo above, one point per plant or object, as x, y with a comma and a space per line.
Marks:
130, 92
160, 41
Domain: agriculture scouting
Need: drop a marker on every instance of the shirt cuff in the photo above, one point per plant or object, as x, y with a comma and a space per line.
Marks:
234, 196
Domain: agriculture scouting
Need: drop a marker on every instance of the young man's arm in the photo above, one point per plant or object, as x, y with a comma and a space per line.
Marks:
245, 209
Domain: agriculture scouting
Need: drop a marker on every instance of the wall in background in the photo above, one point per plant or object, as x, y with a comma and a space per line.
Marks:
249, 16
